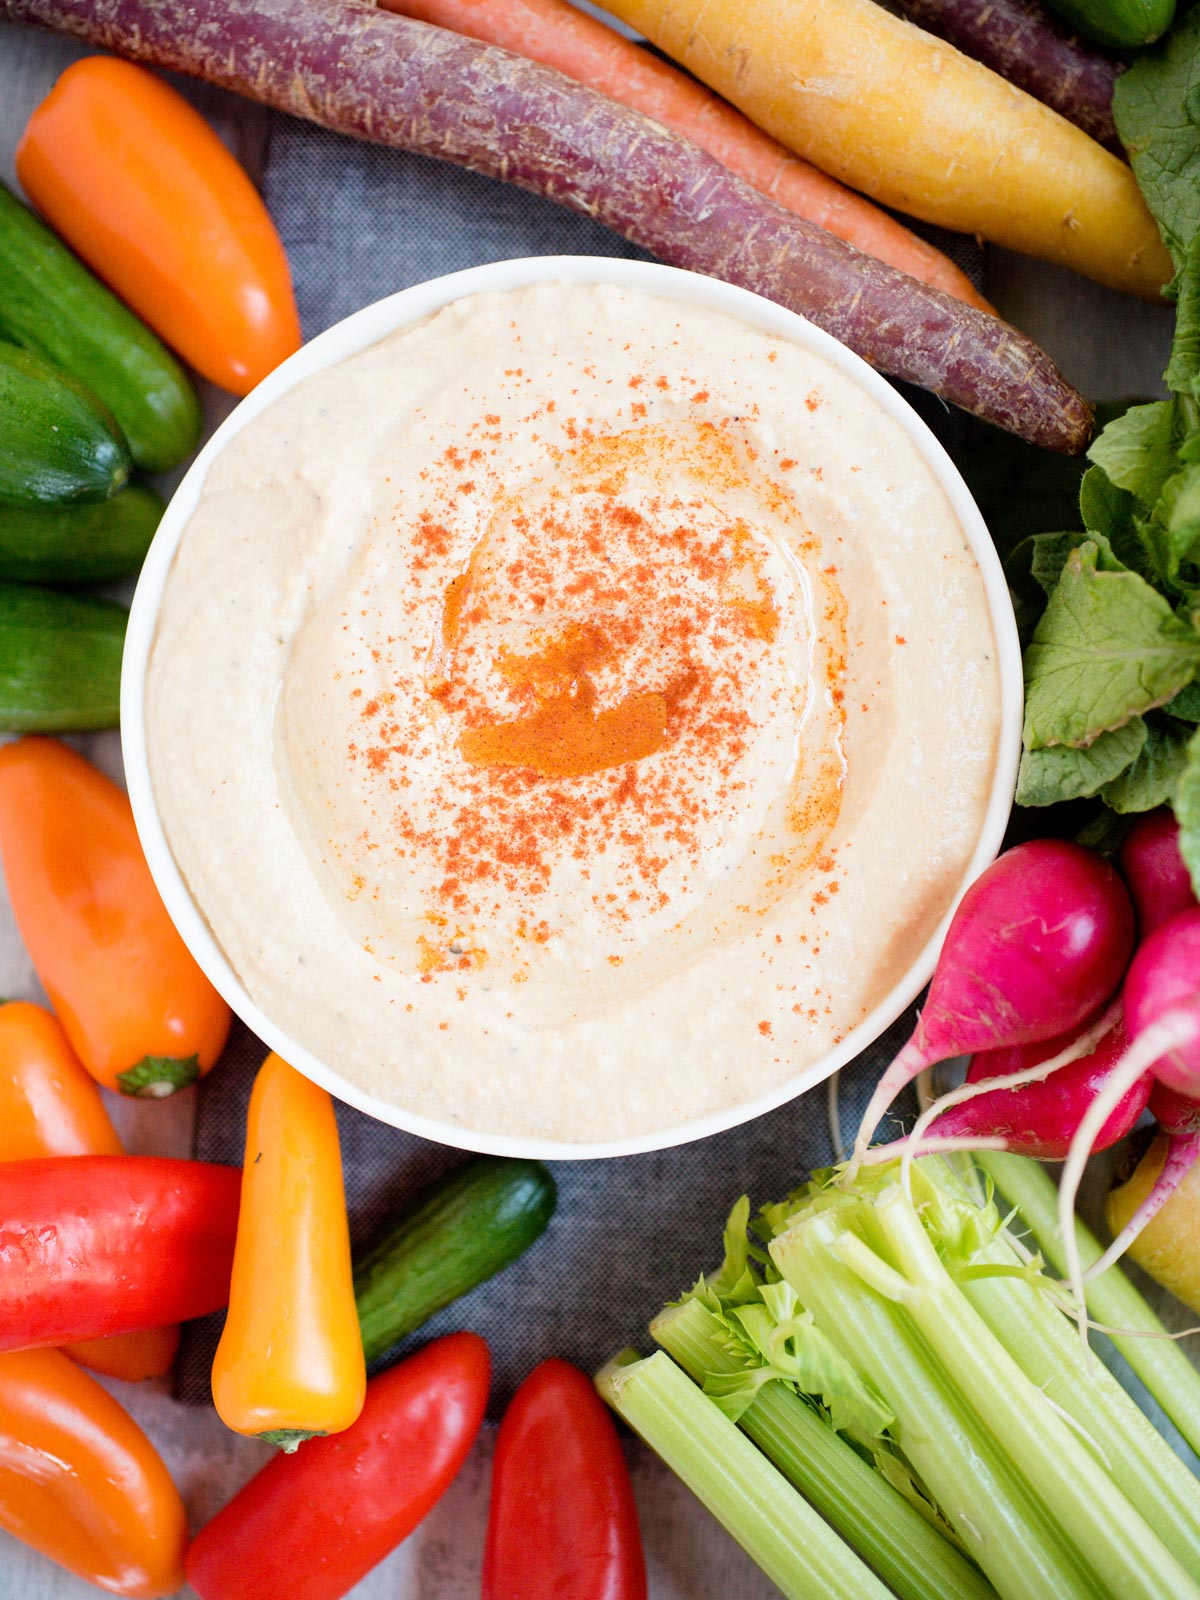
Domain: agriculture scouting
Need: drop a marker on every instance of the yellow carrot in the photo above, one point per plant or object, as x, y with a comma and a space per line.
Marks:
906, 118
1168, 1247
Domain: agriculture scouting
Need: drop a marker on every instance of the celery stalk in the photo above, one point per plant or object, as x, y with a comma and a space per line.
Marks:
891, 1535
1121, 1547
1001, 1521
1043, 1343
799, 1552
1160, 1364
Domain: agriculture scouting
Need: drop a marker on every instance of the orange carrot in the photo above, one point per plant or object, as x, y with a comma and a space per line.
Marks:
556, 34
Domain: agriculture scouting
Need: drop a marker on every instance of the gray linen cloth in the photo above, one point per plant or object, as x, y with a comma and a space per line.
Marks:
360, 223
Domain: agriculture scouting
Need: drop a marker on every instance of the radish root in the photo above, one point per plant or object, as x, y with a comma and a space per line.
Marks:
833, 1111
904, 1068
1182, 1154
1172, 1031
917, 1143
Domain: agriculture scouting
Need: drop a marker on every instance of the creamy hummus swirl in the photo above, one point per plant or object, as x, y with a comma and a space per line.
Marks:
572, 713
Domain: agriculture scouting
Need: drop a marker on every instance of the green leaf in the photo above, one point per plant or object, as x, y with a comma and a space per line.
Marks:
1032, 568
1111, 516
1107, 649
1187, 810
1140, 450
1183, 369
1064, 773
1048, 556
1104, 833
1151, 556
1178, 514
1101, 503
1179, 502
735, 1282
1154, 775
156, 1077
1155, 105
787, 1341
1186, 704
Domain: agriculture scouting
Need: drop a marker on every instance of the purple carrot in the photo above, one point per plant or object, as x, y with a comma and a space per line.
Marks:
1023, 43
1038, 944
398, 82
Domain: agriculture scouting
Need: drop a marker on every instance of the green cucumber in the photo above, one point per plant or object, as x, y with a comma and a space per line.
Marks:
51, 303
60, 661
58, 443
459, 1231
99, 542
1121, 24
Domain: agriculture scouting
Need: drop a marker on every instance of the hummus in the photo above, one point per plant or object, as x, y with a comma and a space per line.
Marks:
573, 713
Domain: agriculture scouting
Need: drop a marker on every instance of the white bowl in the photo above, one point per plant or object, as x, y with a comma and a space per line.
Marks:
365, 328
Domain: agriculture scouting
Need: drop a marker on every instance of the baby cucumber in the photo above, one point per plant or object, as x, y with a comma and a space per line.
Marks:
57, 442
99, 542
60, 661
51, 303
1121, 24
459, 1231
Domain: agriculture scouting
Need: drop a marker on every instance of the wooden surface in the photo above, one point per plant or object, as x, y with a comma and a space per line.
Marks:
1110, 347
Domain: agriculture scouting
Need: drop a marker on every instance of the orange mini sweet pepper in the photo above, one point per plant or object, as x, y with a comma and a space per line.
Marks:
290, 1361
138, 1011
81, 1482
136, 182
50, 1107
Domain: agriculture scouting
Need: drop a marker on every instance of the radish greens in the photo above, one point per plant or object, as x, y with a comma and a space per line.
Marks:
1113, 659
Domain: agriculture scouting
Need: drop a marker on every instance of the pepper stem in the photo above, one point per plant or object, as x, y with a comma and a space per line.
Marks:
289, 1440
156, 1077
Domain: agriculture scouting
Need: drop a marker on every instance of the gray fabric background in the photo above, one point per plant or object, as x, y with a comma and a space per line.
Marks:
360, 223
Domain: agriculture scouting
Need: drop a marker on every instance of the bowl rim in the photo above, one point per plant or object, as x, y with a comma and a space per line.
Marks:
365, 327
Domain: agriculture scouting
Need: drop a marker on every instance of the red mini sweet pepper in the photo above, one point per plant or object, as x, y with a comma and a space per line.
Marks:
562, 1523
97, 1245
310, 1525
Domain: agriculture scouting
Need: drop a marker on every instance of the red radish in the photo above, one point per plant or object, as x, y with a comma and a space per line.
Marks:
1161, 1000
1039, 1117
1039, 942
1164, 982
1176, 1114
1154, 869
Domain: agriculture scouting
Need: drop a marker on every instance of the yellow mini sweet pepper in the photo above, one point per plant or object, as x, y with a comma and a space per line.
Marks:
290, 1361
